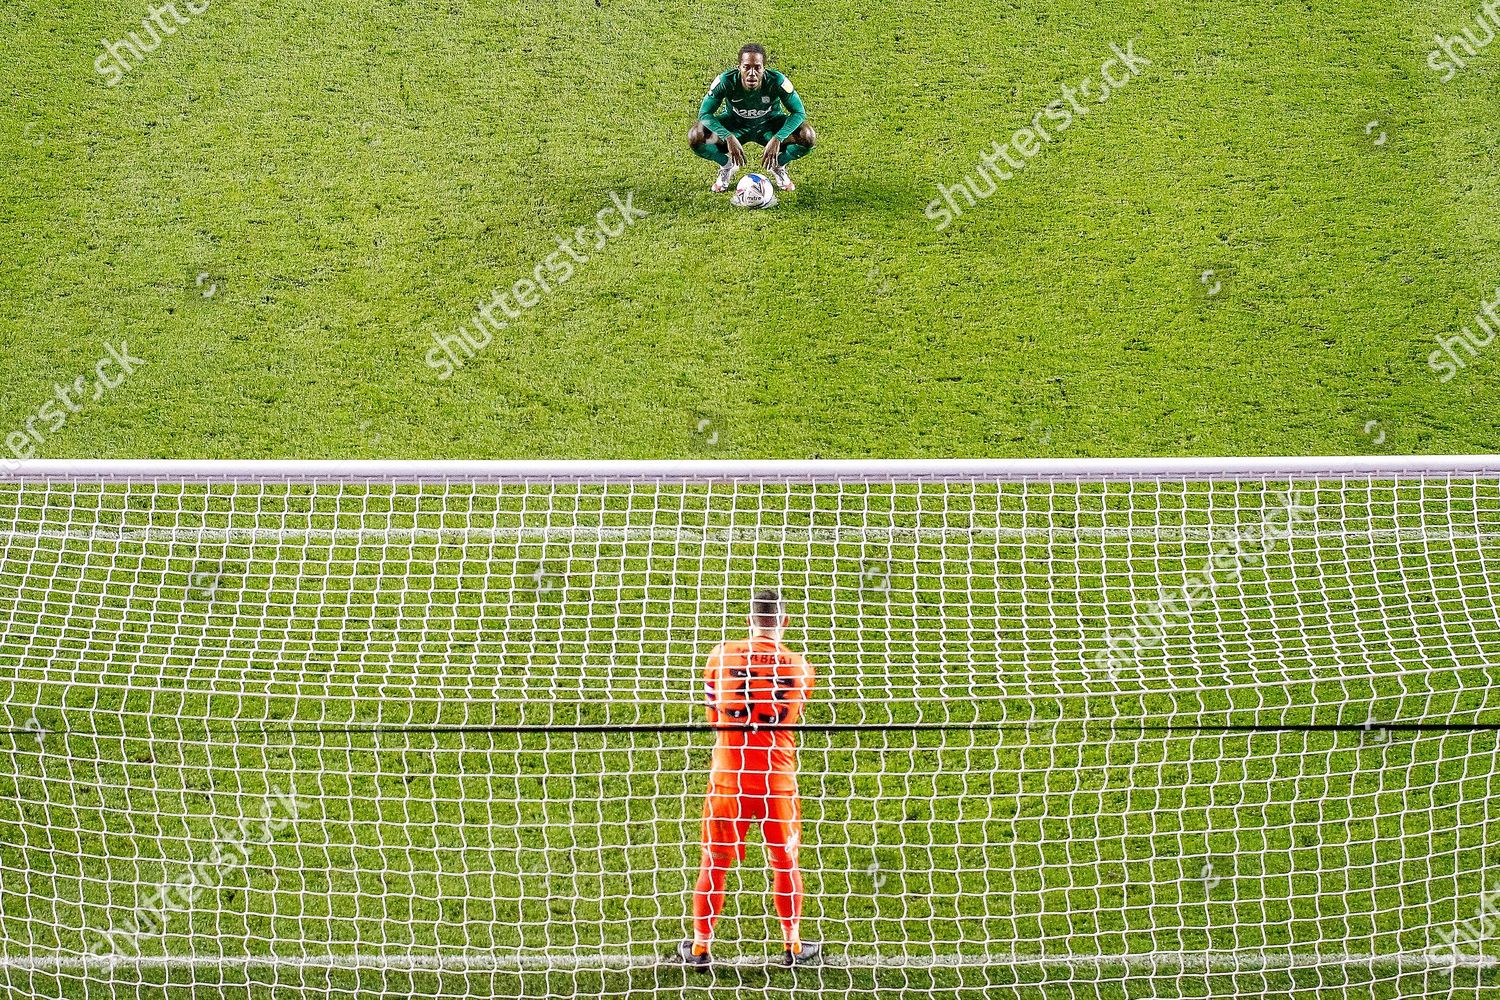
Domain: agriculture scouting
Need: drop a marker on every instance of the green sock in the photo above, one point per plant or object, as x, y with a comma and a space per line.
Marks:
792, 152
712, 151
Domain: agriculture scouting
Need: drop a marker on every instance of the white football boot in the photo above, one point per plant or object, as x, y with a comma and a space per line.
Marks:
725, 180
811, 954
782, 178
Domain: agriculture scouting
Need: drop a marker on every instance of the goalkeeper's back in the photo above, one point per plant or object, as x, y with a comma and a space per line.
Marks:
751, 683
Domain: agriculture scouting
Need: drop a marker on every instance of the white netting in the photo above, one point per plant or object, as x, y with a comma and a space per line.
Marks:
429, 734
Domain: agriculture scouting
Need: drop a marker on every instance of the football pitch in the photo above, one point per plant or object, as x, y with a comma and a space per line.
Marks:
270, 222
346, 703
1250, 249
1068, 861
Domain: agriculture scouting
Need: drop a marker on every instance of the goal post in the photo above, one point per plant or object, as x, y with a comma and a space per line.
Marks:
1204, 727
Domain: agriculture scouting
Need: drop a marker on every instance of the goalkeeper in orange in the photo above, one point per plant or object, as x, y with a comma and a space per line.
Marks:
753, 682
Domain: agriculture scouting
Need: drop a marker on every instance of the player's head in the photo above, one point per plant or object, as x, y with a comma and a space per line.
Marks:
768, 613
752, 65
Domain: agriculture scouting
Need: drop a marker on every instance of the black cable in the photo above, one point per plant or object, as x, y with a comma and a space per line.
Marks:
376, 729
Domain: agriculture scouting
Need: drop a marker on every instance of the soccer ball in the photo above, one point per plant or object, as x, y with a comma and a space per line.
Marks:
754, 191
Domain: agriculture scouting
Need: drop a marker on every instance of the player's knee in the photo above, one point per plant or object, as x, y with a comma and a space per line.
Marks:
698, 136
805, 136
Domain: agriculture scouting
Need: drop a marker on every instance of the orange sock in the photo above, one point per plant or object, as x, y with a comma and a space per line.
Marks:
708, 901
788, 885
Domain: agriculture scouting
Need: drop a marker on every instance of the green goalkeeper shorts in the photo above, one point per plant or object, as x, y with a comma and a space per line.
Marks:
760, 132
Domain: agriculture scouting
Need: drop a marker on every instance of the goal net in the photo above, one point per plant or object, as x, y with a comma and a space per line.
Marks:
1088, 729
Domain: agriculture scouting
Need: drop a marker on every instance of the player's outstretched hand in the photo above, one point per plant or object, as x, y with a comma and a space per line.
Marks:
736, 152
773, 153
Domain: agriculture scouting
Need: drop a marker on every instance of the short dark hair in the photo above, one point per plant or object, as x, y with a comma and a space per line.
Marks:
767, 608
754, 48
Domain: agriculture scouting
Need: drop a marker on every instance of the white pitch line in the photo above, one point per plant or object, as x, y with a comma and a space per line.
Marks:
477, 962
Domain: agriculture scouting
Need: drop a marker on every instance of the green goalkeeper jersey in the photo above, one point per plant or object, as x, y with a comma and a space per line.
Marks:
749, 110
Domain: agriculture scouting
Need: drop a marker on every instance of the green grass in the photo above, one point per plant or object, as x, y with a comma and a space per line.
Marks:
171, 706
352, 180
1062, 843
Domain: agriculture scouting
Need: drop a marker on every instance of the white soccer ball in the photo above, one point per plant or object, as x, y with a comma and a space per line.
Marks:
754, 191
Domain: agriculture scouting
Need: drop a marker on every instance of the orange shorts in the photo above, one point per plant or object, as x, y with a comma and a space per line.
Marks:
728, 813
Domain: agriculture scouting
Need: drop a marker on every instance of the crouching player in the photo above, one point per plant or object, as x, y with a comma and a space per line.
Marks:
760, 106
753, 682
